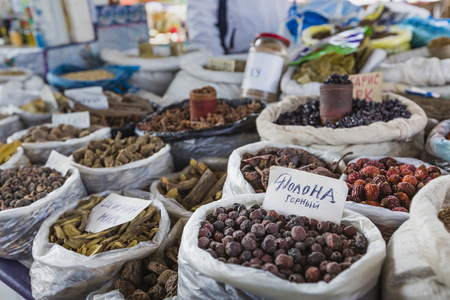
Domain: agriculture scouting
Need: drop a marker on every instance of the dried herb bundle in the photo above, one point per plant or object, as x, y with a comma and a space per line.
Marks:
69, 230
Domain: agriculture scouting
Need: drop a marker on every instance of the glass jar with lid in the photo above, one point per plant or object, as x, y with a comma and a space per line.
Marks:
265, 64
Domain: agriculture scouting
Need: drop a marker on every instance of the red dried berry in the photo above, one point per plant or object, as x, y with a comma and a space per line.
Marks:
360, 182
392, 171
373, 203
371, 192
421, 172
390, 202
379, 179
434, 172
385, 189
370, 171
407, 188
399, 208
360, 162
420, 185
353, 199
349, 187
394, 179
358, 191
407, 167
352, 177
312, 274
410, 179
352, 167
388, 162
426, 180
404, 199
374, 163
407, 172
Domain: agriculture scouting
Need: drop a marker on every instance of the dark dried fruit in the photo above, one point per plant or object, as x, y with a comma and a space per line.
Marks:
312, 274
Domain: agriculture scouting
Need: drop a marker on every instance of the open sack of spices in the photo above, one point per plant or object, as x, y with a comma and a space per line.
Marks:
12, 155
418, 254
383, 188
28, 195
70, 261
217, 135
123, 110
132, 162
438, 142
233, 249
39, 141
196, 185
393, 127
195, 73
249, 166
152, 278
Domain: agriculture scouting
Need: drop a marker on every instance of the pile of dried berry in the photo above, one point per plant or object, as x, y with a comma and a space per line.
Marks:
178, 119
256, 167
444, 216
337, 79
386, 182
294, 248
363, 113
24, 185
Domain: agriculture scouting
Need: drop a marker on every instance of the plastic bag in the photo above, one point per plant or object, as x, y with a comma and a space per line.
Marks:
18, 159
135, 175
426, 29
200, 275
9, 126
380, 215
193, 75
155, 74
437, 144
398, 137
105, 293
39, 152
58, 273
418, 254
117, 84
235, 184
20, 225
173, 207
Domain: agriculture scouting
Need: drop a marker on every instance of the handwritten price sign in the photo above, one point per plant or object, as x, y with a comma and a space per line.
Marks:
368, 86
78, 119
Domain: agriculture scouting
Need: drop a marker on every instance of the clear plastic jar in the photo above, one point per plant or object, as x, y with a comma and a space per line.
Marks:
265, 64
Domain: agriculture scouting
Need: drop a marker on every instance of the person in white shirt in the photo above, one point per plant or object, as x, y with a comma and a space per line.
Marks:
229, 26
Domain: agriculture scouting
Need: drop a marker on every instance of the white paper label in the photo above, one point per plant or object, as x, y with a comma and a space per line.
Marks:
291, 191
114, 210
217, 64
368, 86
92, 97
262, 72
58, 162
78, 119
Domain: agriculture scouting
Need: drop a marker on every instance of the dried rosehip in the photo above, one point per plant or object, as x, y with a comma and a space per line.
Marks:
333, 241
284, 261
434, 172
351, 167
407, 188
407, 167
323, 227
353, 199
379, 179
350, 231
358, 191
370, 171
204, 232
298, 233
390, 202
410, 179
407, 172
203, 242
421, 172
374, 163
392, 171
352, 177
394, 179
373, 203
333, 268
271, 268
385, 189
404, 199
312, 274
371, 192
360, 182
360, 162
420, 185
233, 248
400, 209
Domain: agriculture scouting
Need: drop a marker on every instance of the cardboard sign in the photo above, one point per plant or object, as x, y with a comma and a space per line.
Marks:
79, 119
58, 162
114, 210
225, 65
92, 97
368, 86
291, 191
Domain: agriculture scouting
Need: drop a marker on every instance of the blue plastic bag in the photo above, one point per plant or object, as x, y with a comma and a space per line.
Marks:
425, 30
117, 84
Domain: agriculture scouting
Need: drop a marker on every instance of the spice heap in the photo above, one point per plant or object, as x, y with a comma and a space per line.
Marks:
178, 119
122, 110
24, 185
386, 182
3, 116
8, 150
197, 187
90, 75
159, 279
61, 133
12, 73
116, 152
444, 216
69, 230
256, 167
363, 113
37, 106
295, 248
